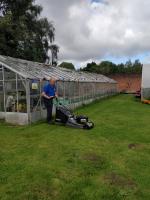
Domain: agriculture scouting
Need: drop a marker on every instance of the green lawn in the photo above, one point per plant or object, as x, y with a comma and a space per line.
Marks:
109, 162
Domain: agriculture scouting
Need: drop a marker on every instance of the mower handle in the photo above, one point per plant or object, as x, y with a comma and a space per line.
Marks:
57, 100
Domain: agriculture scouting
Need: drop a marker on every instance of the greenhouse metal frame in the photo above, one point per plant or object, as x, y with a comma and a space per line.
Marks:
21, 84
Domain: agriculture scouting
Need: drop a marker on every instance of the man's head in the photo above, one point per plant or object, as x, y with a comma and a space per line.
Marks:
52, 81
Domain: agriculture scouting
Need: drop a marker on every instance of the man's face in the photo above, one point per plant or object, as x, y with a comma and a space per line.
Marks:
52, 81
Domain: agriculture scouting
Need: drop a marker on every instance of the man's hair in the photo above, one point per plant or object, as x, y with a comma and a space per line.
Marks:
52, 79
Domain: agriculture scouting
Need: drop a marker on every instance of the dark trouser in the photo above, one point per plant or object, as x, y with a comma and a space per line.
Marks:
49, 106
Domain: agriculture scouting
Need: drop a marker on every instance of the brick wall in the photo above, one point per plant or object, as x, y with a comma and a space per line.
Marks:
127, 82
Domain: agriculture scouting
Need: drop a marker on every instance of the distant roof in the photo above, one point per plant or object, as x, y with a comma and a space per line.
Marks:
35, 70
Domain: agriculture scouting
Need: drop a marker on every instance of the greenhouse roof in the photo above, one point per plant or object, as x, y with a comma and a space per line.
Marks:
35, 70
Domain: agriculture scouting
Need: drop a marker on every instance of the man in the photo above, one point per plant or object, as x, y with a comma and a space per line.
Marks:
49, 93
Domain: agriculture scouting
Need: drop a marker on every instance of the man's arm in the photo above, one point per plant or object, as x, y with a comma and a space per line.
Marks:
45, 96
56, 93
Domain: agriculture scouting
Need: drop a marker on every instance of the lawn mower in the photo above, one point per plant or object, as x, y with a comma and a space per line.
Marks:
64, 116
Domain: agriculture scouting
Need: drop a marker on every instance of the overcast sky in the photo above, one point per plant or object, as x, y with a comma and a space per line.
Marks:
100, 29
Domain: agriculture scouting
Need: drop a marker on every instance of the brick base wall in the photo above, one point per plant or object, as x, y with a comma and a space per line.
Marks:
127, 82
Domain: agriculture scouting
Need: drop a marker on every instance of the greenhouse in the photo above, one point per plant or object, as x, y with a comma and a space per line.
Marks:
145, 89
21, 84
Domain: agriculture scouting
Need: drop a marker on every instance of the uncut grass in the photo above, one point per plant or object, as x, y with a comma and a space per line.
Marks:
110, 161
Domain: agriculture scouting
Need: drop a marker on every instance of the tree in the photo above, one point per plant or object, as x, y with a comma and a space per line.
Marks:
91, 67
137, 66
67, 65
23, 33
54, 53
107, 67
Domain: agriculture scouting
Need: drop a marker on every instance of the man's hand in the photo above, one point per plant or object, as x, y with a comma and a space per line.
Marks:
56, 96
51, 97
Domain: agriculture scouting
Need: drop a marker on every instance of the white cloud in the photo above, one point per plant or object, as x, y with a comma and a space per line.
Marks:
88, 30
